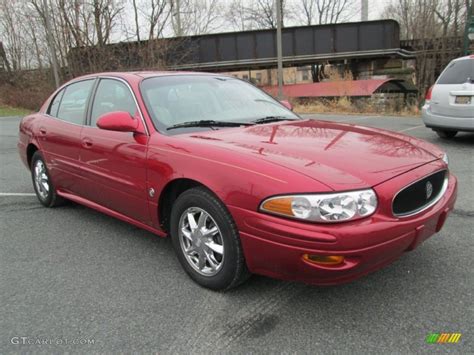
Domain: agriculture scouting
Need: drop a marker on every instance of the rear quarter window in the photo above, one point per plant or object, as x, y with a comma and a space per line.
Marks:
54, 107
458, 72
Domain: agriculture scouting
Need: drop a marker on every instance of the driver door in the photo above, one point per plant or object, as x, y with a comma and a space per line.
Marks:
115, 162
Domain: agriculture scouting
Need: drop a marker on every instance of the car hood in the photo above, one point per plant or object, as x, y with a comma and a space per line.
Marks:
341, 156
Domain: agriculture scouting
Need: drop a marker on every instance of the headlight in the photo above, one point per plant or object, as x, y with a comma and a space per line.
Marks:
445, 158
325, 208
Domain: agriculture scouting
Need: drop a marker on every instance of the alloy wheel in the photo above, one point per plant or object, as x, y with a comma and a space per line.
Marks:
41, 179
201, 241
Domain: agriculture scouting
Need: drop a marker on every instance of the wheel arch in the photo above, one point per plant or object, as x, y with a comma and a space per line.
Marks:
30, 150
172, 190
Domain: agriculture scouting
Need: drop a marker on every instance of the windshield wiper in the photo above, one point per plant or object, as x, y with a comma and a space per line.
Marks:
209, 123
272, 119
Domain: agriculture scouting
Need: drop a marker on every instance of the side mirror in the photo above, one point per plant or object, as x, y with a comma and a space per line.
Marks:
120, 121
287, 104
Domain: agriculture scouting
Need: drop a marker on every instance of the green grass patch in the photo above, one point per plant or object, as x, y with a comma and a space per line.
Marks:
6, 111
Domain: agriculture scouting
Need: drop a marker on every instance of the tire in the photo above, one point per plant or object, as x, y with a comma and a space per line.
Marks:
44, 188
213, 231
446, 134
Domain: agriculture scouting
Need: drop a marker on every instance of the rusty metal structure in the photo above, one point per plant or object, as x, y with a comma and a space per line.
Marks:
257, 49
301, 46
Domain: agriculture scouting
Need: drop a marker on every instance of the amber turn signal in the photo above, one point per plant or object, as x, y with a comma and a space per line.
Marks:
324, 259
279, 206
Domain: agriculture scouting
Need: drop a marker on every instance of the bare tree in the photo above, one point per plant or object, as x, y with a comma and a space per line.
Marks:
157, 16
3, 56
307, 11
432, 28
447, 13
317, 12
237, 16
137, 24
12, 33
196, 16
262, 14
105, 12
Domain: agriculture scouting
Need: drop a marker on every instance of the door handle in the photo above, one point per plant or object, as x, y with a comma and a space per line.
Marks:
42, 131
86, 143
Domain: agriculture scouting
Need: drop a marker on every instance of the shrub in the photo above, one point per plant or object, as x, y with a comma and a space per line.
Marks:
27, 89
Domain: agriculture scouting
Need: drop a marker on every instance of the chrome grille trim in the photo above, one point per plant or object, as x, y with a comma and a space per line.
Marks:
431, 203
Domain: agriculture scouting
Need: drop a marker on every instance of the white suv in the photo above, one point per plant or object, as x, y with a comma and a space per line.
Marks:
449, 105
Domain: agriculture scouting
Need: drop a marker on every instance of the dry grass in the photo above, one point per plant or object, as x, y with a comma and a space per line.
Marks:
375, 105
8, 111
344, 105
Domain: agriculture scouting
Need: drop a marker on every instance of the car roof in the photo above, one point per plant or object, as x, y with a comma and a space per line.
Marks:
464, 58
134, 75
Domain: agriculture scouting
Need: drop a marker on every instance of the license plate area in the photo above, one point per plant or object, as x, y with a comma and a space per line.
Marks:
462, 100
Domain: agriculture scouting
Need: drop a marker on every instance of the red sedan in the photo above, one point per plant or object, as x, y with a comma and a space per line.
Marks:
240, 183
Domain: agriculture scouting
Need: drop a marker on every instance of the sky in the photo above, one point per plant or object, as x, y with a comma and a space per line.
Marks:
376, 9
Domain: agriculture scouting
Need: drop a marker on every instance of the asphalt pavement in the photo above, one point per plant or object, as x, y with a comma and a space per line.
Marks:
75, 280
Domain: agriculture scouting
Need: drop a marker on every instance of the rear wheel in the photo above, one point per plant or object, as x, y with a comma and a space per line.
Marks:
42, 183
446, 134
206, 240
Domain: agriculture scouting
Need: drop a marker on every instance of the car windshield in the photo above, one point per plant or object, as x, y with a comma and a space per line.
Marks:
176, 99
458, 72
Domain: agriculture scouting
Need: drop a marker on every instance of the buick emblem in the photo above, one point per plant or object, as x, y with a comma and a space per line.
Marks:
429, 189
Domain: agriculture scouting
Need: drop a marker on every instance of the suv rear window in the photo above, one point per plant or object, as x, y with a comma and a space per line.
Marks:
458, 72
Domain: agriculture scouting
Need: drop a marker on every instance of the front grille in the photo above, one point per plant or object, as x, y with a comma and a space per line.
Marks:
419, 195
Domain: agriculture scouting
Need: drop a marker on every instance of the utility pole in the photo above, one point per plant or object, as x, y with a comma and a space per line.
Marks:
179, 31
50, 40
364, 10
469, 30
279, 50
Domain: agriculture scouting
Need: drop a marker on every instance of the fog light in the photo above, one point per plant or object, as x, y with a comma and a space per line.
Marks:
324, 259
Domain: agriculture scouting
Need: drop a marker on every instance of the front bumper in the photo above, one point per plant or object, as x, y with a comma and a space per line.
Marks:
275, 246
435, 121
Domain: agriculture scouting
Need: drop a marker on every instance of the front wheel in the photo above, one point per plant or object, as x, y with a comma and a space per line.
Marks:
206, 240
446, 134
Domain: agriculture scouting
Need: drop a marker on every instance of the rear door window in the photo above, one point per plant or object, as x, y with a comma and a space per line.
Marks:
74, 102
458, 72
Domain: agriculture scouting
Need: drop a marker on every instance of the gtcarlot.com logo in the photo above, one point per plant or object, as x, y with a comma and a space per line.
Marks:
441, 338
51, 341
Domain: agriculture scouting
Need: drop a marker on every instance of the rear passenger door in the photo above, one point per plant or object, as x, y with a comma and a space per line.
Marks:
115, 162
60, 134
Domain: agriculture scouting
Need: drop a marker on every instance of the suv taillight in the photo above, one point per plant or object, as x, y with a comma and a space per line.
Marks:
428, 93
